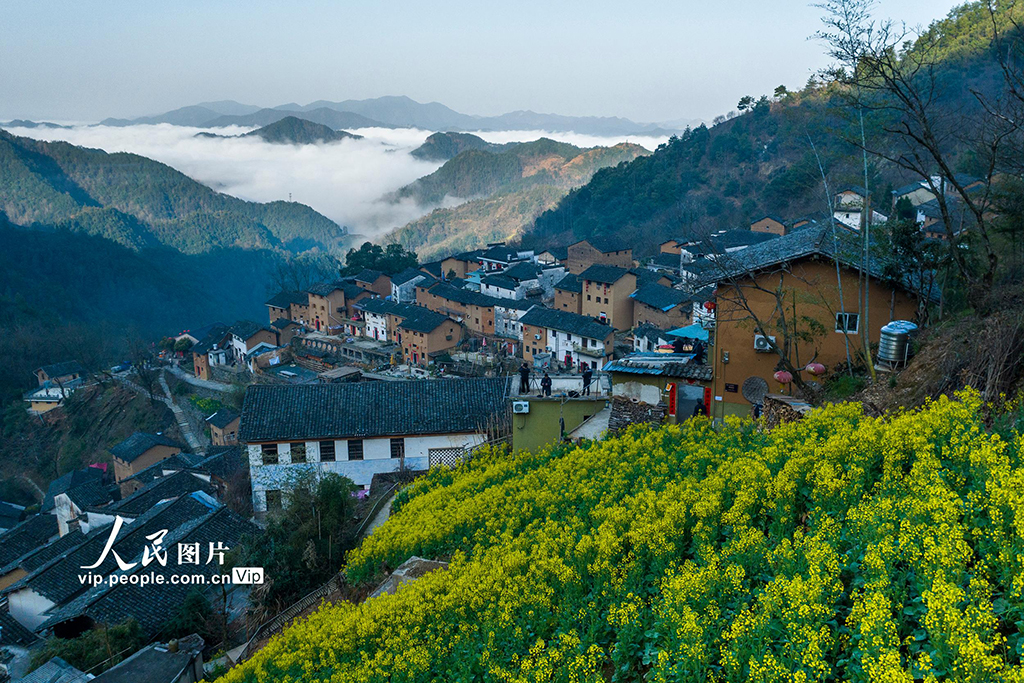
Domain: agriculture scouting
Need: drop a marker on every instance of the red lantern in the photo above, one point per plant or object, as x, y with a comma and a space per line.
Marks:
815, 369
783, 377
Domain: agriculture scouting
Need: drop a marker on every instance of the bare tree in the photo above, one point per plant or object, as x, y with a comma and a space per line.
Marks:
886, 69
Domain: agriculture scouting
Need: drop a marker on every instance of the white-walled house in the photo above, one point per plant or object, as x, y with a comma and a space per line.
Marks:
361, 429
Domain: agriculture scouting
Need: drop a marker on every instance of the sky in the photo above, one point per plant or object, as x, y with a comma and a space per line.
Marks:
650, 61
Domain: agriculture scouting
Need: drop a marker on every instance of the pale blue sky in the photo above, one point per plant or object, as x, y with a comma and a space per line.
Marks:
648, 61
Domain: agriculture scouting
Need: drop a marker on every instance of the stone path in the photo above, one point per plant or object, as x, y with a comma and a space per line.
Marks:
197, 382
179, 416
381, 516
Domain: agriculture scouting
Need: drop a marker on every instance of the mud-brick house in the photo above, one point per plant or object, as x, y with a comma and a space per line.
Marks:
802, 267
605, 295
139, 451
602, 250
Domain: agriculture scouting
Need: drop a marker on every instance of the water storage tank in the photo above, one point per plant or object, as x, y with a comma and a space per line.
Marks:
894, 341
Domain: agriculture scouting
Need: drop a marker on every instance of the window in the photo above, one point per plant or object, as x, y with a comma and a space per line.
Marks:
588, 297
298, 452
397, 448
606, 299
273, 501
327, 451
355, 449
847, 322
269, 453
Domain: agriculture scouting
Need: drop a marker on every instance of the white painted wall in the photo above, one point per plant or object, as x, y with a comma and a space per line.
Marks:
28, 607
376, 323
376, 459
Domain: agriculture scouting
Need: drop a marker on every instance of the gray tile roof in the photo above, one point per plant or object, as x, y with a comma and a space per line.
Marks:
26, 537
572, 283
140, 442
407, 275
841, 244
222, 461
164, 488
500, 253
154, 663
500, 281
69, 481
370, 409
367, 275
90, 494
49, 551
56, 671
222, 418
69, 367
607, 244
287, 298
196, 518
381, 306
599, 272
422, 320
660, 297
176, 462
463, 296
566, 321
244, 329
524, 270
214, 336
731, 239
13, 633
661, 364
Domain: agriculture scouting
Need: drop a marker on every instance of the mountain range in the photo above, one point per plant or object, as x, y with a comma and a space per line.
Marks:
141, 203
766, 160
508, 187
391, 112
291, 131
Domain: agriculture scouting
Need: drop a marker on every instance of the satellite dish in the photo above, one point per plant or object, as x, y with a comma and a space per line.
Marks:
754, 389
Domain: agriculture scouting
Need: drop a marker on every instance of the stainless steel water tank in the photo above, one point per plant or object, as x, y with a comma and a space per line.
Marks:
894, 341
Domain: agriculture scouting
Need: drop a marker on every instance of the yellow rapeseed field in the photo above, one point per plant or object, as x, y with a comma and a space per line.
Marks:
839, 548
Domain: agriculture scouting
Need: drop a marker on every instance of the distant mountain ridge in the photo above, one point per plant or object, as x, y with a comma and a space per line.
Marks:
509, 186
481, 172
141, 203
444, 146
291, 131
391, 112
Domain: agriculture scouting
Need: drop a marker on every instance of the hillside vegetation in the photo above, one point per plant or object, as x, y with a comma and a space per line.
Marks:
765, 160
139, 202
840, 547
511, 185
499, 218
294, 131
444, 146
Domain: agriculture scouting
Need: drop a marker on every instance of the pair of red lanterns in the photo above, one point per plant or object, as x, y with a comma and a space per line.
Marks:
785, 377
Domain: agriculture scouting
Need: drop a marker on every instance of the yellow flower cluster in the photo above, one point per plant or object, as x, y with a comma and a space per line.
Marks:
837, 548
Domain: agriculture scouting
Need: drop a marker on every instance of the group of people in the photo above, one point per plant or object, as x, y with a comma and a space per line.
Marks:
545, 381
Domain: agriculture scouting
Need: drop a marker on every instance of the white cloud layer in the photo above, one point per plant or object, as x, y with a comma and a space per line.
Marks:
343, 180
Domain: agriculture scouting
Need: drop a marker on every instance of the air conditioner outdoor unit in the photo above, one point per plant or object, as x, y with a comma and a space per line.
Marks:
520, 407
763, 344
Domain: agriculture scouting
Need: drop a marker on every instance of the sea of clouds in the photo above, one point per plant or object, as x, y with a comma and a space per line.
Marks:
344, 180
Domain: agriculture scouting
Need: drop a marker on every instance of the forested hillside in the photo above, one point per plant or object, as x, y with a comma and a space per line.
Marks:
444, 146
483, 172
139, 202
766, 159
66, 295
295, 131
510, 185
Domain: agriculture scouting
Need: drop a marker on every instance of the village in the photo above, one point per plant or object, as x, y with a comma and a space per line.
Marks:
378, 378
